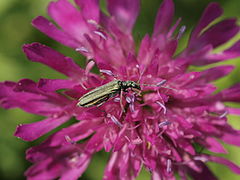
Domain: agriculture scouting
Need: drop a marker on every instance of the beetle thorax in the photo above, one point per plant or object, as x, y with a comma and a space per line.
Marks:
129, 84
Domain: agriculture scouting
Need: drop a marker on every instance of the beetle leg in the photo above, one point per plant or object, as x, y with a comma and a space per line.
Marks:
137, 91
103, 100
106, 98
121, 102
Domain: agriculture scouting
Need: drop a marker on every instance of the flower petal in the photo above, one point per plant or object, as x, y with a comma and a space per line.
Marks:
48, 28
230, 53
67, 162
212, 12
215, 73
89, 9
206, 76
95, 143
51, 85
68, 18
76, 172
124, 12
71, 134
231, 94
144, 57
220, 160
27, 96
230, 135
122, 166
37, 52
214, 146
205, 55
204, 174
37, 171
164, 17
32, 131
234, 111
234, 49
217, 34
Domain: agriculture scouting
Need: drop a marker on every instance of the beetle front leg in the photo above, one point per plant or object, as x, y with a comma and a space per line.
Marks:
121, 102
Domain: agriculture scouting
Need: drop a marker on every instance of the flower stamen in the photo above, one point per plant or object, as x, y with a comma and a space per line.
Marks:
99, 33
169, 166
82, 49
134, 127
68, 139
149, 145
115, 120
223, 114
161, 83
173, 28
89, 66
181, 32
93, 22
164, 123
162, 106
201, 158
117, 99
108, 72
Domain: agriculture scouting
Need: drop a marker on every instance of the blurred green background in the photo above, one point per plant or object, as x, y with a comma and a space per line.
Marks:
16, 30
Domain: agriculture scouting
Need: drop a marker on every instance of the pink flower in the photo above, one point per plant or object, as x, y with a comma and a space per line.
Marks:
158, 129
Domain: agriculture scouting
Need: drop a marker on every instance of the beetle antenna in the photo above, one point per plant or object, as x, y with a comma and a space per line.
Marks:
160, 84
156, 85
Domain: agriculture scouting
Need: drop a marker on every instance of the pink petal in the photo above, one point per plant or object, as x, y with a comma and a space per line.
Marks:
120, 166
230, 135
37, 52
217, 34
102, 58
231, 138
215, 73
68, 18
171, 47
234, 48
198, 58
75, 172
71, 134
89, 9
96, 141
160, 172
164, 17
90, 114
230, 53
231, 94
212, 12
124, 12
108, 174
209, 75
205, 173
37, 171
156, 175
143, 54
51, 85
48, 28
28, 97
205, 56
186, 146
32, 131
214, 146
220, 160
234, 111
65, 162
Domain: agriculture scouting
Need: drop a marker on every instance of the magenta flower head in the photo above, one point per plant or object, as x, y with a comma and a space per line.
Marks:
154, 112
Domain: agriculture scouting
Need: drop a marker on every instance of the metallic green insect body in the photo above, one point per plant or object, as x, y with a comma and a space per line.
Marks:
101, 94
